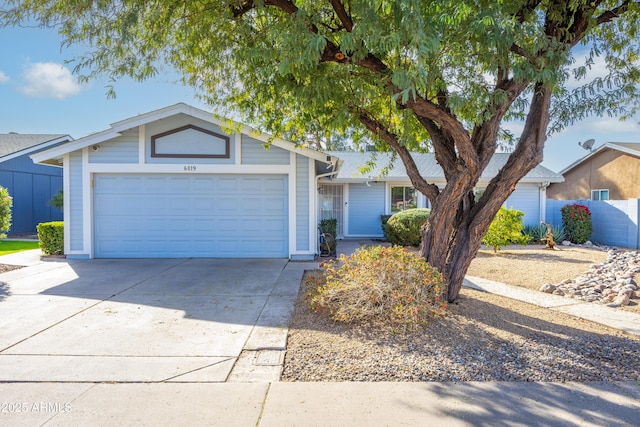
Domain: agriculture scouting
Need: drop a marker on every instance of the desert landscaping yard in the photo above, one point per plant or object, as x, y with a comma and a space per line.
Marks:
484, 337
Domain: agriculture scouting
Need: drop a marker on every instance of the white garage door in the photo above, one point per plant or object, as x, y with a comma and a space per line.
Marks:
184, 216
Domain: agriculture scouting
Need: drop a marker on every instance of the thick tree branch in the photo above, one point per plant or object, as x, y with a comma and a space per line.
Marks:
443, 147
527, 154
419, 183
338, 6
285, 5
614, 13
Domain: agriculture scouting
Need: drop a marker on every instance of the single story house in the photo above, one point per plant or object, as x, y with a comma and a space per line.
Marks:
176, 182
611, 172
31, 185
358, 199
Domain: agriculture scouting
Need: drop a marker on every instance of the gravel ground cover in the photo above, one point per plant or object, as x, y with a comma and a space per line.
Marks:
484, 338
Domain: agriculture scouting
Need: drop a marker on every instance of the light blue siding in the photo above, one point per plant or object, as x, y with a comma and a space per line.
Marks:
119, 150
254, 153
75, 222
302, 203
176, 122
366, 205
185, 216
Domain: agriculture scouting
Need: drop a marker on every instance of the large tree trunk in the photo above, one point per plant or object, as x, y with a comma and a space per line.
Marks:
452, 237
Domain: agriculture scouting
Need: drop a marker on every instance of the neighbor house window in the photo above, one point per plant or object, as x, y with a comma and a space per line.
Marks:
599, 194
403, 198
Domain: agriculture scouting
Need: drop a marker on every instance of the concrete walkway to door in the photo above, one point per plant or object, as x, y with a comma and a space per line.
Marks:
145, 320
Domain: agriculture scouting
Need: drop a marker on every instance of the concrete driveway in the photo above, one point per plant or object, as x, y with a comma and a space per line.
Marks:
146, 320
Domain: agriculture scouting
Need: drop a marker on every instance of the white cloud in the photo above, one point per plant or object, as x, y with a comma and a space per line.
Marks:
49, 80
3, 78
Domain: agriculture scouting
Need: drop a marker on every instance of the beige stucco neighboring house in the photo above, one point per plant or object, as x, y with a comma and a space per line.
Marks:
611, 172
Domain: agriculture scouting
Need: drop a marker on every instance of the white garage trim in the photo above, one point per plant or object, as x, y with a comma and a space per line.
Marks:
292, 203
89, 169
186, 168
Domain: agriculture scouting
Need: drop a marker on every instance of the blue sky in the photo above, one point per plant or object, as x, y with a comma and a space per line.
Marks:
40, 95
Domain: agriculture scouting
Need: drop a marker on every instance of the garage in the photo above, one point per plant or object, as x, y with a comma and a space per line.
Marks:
190, 216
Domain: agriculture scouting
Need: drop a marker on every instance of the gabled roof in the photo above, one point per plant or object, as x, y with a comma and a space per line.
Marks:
54, 155
17, 144
426, 163
631, 148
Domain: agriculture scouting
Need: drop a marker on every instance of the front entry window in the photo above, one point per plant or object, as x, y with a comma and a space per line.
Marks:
403, 198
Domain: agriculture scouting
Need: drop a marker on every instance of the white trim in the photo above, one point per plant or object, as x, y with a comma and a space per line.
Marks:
66, 207
180, 168
292, 197
87, 219
345, 210
142, 144
542, 202
313, 207
238, 148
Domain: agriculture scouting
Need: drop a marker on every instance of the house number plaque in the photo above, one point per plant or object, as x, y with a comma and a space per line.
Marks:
190, 168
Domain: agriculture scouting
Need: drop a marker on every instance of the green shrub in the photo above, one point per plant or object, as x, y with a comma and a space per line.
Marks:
379, 284
6, 203
538, 232
576, 220
330, 225
51, 237
404, 227
506, 228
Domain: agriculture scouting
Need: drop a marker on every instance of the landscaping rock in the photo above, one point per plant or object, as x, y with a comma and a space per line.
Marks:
609, 282
548, 288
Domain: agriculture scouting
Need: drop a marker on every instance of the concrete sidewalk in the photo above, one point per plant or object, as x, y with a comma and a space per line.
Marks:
321, 404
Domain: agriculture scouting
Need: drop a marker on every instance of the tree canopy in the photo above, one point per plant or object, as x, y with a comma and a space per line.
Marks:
413, 75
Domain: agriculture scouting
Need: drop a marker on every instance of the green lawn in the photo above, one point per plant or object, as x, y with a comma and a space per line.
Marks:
11, 246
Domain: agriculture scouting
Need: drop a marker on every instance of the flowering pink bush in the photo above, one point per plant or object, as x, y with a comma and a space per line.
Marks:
576, 220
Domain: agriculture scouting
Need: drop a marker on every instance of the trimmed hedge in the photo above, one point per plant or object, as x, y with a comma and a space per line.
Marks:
404, 227
51, 237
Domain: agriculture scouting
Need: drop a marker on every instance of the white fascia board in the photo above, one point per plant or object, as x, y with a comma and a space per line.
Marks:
623, 149
59, 151
180, 168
